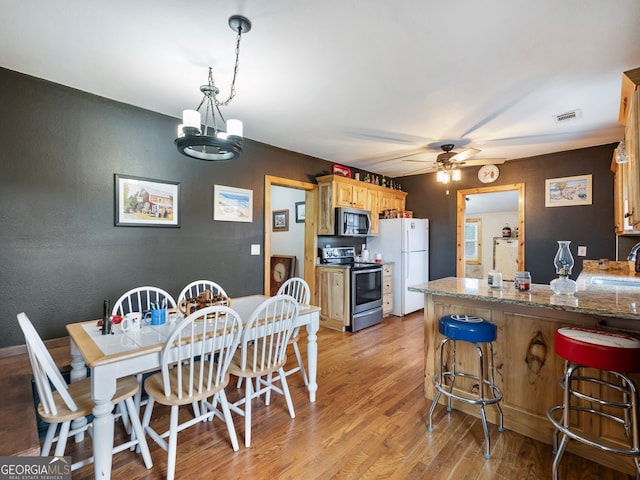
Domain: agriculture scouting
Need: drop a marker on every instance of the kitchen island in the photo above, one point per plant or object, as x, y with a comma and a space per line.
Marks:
527, 369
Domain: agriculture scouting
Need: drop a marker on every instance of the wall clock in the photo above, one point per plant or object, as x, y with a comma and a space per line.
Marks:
488, 173
282, 268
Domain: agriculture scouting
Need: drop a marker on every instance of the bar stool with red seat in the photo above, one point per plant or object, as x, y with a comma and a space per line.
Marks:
476, 331
610, 352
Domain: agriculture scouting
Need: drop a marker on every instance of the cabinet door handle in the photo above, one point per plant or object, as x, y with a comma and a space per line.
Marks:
628, 214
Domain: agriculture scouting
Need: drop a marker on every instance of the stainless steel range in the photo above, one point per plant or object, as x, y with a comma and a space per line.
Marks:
365, 286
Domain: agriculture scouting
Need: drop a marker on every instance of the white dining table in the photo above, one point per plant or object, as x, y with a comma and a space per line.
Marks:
129, 353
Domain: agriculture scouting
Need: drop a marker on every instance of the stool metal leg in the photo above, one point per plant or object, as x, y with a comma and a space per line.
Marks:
493, 382
486, 384
437, 383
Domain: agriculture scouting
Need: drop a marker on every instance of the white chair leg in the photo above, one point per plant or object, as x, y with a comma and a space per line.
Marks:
299, 358
173, 443
147, 413
48, 439
62, 439
228, 419
138, 433
247, 412
285, 390
267, 396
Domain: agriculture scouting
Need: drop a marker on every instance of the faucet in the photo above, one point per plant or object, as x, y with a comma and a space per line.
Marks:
634, 251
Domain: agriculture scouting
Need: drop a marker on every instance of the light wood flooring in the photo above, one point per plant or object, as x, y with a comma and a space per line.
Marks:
369, 421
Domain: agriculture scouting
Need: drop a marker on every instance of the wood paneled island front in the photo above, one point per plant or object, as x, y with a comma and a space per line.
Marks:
527, 369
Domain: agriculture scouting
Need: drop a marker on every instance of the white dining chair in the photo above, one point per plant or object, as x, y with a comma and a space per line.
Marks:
62, 403
140, 299
196, 287
298, 288
195, 364
262, 353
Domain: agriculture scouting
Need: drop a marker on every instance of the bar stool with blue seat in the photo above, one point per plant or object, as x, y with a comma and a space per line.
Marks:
478, 332
612, 396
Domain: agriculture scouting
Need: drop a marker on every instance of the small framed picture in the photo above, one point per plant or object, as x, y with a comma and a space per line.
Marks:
280, 220
146, 202
299, 212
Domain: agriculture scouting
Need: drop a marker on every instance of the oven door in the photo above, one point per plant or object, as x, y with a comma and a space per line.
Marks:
366, 288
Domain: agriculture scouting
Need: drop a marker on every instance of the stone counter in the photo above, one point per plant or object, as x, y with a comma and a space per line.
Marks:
604, 301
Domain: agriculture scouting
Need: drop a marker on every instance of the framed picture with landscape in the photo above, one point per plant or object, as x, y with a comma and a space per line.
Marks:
146, 202
231, 204
568, 191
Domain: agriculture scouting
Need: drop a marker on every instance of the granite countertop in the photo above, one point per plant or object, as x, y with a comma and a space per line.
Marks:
593, 299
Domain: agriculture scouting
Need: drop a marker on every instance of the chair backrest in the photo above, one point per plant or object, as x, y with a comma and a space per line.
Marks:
205, 363
140, 299
45, 371
297, 288
196, 288
267, 332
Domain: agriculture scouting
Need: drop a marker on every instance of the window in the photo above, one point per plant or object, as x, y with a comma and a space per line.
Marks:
473, 241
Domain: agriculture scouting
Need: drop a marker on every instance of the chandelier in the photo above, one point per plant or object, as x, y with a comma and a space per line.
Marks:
213, 140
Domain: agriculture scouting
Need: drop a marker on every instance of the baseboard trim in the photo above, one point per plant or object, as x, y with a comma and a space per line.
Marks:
14, 350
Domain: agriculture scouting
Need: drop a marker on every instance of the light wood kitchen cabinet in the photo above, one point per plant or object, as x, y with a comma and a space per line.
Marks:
337, 191
372, 206
332, 295
627, 175
387, 289
347, 195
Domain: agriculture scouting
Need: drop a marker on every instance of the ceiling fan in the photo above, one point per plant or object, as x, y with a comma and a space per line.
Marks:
449, 158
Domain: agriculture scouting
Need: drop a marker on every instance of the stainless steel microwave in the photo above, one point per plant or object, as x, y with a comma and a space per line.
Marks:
353, 222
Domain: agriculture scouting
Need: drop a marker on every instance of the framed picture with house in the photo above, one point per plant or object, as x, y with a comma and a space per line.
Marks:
146, 202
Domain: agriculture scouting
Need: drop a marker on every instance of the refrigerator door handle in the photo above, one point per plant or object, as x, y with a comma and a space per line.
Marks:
407, 265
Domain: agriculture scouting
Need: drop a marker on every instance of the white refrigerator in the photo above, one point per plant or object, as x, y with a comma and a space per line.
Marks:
405, 242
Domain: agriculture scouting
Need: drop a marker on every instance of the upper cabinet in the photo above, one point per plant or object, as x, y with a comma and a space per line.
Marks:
627, 175
337, 191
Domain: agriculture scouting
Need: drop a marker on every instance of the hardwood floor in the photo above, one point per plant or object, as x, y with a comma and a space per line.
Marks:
369, 421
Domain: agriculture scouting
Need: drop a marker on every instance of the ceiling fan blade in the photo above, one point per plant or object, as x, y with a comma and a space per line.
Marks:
484, 161
463, 155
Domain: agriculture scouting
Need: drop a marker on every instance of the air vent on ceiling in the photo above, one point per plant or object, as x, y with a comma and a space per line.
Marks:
564, 117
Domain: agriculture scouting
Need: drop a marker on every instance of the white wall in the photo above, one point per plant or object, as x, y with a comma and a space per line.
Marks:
492, 224
292, 241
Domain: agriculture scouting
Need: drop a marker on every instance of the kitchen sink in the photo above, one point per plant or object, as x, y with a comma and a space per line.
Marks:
616, 282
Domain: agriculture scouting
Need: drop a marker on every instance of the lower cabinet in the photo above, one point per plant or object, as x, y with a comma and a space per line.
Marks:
387, 289
332, 295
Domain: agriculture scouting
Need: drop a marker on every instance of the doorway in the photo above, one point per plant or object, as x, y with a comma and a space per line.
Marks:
310, 238
462, 215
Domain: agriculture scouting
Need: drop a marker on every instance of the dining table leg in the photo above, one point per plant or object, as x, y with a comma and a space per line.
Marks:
103, 388
78, 372
312, 354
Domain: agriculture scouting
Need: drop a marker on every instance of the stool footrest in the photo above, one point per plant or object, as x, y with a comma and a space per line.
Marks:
594, 442
476, 400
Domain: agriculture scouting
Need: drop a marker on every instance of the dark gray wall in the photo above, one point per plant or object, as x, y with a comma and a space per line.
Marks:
60, 253
590, 225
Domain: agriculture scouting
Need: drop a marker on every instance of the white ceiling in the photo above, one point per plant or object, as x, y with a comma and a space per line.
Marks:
353, 82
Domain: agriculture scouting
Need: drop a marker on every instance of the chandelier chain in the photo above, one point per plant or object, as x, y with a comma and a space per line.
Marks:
232, 93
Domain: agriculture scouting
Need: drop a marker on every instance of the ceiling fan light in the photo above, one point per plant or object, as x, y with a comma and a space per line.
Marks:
456, 175
443, 177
